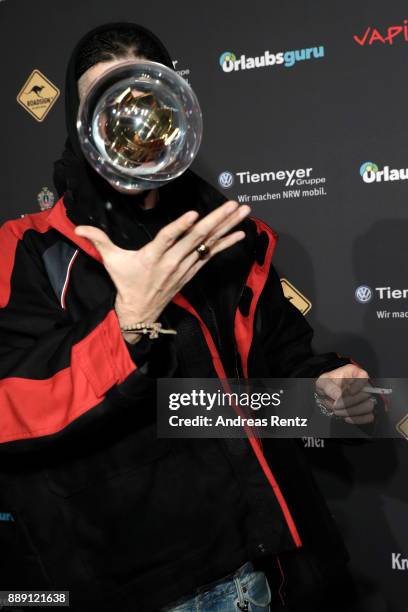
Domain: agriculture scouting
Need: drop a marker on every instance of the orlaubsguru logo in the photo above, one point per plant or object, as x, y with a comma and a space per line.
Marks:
371, 173
229, 61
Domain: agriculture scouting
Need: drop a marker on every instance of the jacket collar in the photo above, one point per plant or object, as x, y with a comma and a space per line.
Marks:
236, 264
229, 260
58, 220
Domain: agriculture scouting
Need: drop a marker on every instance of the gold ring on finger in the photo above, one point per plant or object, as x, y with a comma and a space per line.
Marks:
202, 250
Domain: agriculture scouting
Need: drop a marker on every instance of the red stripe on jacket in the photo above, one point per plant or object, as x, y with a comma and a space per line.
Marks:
102, 360
254, 442
98, 362
244, 325
11, 232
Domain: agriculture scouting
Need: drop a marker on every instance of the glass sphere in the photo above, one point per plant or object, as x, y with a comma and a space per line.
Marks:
140, 125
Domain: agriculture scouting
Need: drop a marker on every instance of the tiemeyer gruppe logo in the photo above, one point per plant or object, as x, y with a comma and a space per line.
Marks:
292, 183
390, 300
229, 61
370, 172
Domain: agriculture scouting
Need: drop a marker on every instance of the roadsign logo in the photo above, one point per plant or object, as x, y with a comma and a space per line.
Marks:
293, 295
38, 95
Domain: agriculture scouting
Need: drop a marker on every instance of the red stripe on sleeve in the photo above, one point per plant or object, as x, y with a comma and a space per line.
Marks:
11, 233
33, 408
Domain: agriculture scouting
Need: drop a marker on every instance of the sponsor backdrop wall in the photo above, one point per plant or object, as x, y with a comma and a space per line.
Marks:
305, 116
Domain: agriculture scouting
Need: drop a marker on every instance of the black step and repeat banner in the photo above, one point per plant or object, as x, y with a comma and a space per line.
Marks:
305, 118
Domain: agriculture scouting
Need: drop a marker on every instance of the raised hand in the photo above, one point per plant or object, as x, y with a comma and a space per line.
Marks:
147, 279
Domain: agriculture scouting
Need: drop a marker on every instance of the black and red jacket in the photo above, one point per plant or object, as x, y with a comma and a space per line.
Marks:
102, 507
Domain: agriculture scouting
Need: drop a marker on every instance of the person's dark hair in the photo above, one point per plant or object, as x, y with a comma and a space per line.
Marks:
118, 43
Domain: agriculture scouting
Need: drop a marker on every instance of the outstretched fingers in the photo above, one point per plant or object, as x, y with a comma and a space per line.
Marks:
200, 231
172, 232
193, 262
236, 217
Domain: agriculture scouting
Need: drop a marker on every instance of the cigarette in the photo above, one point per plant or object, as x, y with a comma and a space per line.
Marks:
377, 390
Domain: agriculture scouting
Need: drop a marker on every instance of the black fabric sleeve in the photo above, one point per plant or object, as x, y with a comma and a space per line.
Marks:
55, 375
287, 336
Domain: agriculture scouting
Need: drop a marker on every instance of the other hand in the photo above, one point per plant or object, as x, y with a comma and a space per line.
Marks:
341, 391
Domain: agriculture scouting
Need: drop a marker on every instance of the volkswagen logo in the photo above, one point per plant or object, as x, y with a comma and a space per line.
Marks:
364, 294
226, 179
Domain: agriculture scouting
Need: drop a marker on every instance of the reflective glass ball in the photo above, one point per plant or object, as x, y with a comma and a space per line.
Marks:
140, 125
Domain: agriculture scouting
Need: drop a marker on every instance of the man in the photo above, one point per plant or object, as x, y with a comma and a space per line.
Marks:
104, 508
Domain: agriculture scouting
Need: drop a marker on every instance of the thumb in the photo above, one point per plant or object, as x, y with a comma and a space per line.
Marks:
329, 387
95, 235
